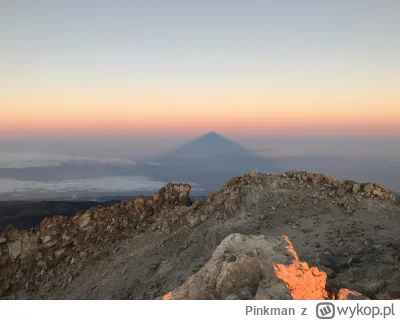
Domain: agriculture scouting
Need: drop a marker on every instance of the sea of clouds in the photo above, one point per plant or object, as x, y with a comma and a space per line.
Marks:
21, 160
102, 184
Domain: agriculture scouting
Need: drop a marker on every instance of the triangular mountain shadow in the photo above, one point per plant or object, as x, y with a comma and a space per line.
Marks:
210, 161
207, 146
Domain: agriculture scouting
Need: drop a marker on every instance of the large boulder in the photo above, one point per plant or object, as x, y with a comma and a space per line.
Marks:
241, 266
257, 267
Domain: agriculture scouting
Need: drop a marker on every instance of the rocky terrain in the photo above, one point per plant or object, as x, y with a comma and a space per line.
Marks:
27, 214
150, 246
261, 268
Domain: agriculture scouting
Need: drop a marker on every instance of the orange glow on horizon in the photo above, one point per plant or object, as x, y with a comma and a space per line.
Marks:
169, 114
54, 125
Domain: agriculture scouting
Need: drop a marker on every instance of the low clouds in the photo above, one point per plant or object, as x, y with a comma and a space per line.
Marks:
87, 175
103, 184
112, 185
21, 160
154, 163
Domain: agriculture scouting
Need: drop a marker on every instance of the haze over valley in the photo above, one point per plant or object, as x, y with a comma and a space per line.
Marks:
89, 169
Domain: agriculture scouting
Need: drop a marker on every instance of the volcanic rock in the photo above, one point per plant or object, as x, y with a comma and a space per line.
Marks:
14, 249
179, 237
263, 268
222, 276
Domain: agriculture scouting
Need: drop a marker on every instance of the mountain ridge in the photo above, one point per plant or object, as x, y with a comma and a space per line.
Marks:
167, 237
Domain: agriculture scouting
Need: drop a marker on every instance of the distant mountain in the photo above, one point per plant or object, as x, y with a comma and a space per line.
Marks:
212, 159
397, 195
210, 145
209, 160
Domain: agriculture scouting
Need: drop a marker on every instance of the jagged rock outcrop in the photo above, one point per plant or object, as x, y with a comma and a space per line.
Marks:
257, 267
339, 225
342, 187
237, 269
27, 255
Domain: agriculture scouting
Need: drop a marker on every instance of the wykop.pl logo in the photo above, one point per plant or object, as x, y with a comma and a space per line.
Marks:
325, 310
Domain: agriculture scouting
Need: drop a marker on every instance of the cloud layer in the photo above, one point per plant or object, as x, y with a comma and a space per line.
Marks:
113, 184
20, 160
103, 184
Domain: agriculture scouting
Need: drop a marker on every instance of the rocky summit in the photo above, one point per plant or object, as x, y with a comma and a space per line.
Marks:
166, 245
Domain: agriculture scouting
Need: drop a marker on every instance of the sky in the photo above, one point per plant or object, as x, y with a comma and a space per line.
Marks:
173, 68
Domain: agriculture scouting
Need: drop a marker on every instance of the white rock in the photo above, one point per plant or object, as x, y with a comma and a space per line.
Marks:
14, 249
84, 221
46, 239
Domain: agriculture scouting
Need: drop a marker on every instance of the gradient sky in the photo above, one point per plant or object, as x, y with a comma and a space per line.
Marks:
187, 67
